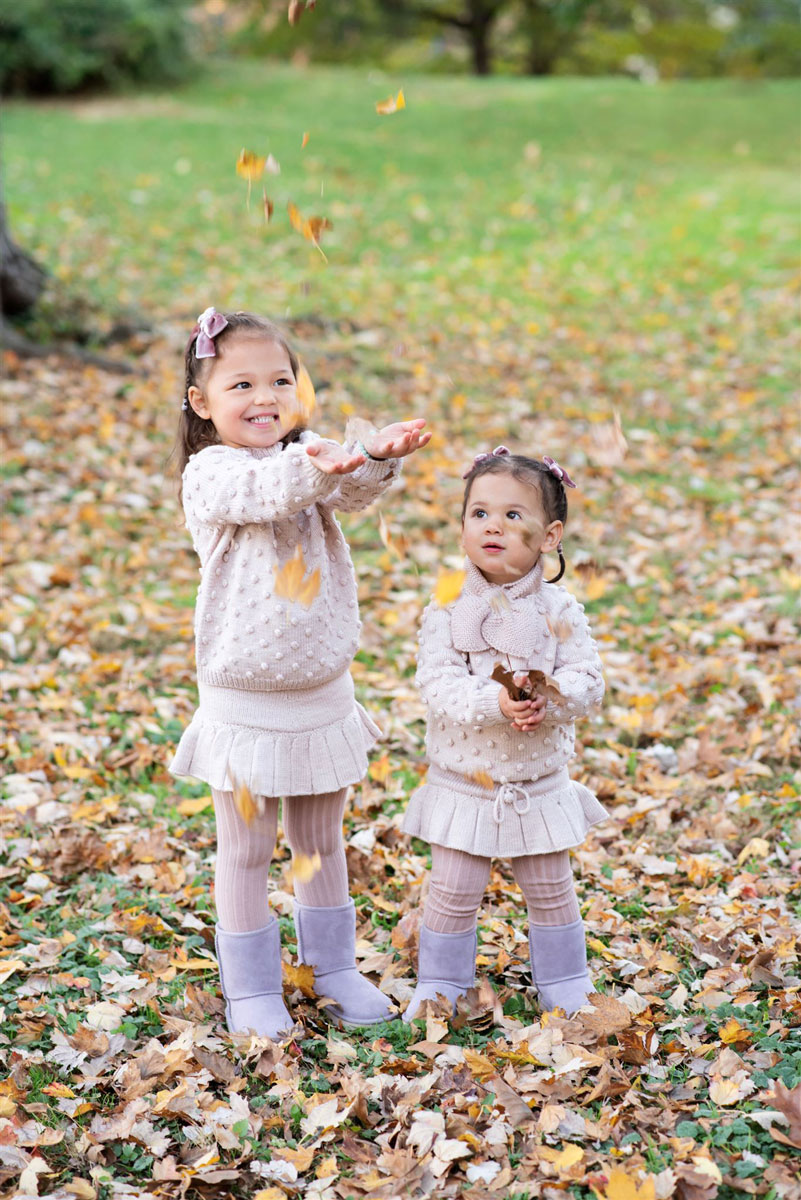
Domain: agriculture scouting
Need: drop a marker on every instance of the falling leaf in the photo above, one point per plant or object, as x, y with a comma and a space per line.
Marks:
483, 779
272, 166
249, 165
243, 799
304, 868
310, 227
304, 390
269, 208
305, 141
392, 104
295, 11
292, 582
449, 587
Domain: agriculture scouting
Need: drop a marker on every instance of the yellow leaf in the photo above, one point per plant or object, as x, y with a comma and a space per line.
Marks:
756, 848
596, 586
449, 587
480, 1067
621, 1186
380, 770
327, 1167
7, 1106
250, 166
305, 140
9, 965
243, 799
305, 868
733, 1032
392, 104
300, 976
310, 227
190, 806
724, 1091
292, 583
305, 393
483, 779
563, 1159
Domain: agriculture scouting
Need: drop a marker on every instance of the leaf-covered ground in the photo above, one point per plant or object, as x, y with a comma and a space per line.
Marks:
664, 380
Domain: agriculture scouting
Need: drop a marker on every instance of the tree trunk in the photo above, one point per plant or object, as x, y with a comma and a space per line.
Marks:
21, 277
479, 33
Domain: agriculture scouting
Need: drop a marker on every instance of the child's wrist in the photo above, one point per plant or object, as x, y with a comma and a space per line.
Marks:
374, 457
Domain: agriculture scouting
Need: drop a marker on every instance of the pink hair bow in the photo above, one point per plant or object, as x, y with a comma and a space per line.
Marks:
209, 324
498, 452
558, 471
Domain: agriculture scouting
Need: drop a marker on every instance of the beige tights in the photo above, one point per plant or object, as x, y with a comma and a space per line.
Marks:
459, 880
312, 824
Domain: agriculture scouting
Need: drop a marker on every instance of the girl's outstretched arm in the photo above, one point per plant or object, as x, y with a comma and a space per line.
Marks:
444, 681
384, 447
221, 487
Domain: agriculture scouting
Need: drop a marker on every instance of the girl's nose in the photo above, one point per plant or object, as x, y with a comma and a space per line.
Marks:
492, 524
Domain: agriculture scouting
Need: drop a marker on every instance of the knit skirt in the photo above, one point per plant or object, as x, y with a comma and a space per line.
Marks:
277, 743
505, 821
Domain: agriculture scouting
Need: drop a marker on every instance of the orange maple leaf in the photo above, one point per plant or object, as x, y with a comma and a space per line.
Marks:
392, 104
292, 582
310, 227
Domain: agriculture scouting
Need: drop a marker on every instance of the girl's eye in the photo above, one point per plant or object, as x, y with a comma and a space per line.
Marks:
287, 382
243, 383
480, 513
513, 514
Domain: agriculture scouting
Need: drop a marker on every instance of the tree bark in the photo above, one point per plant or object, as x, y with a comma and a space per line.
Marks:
21, 277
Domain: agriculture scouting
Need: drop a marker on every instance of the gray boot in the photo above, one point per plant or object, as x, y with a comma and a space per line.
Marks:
446, 966
559, 966
250, 975
327, 942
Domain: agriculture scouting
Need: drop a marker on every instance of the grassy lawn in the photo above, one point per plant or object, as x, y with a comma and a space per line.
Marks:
540, 197
592, 269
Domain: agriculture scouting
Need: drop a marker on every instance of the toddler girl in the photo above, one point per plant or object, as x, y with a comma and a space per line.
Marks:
498, 783
276, 627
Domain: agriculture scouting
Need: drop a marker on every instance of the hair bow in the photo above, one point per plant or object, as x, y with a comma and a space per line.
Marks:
209, 324
558, 471
498, 452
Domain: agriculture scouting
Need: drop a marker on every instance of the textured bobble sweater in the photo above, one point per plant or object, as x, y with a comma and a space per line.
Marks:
249, 511
523, 625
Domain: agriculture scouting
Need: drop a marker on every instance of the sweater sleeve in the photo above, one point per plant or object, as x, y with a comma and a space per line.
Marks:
577, 668
221, 487
446, 685
365, 484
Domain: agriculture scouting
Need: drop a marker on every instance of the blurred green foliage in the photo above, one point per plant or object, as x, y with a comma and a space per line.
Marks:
61, 46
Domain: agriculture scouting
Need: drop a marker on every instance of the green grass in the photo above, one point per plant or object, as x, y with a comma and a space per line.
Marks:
504, 198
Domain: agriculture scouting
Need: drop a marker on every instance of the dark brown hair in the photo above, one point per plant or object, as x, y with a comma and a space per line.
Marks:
536, 474
194, 432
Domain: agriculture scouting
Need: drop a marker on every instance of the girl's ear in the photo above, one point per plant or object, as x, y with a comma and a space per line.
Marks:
553, 535
198, 402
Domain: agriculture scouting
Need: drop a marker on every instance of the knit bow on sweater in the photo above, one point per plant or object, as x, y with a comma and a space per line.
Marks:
507, 619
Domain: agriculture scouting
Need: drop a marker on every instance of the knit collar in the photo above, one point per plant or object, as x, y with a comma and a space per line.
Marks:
264, 451
487, 616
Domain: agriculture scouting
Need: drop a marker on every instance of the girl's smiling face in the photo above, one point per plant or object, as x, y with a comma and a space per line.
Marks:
250, 395
504, 530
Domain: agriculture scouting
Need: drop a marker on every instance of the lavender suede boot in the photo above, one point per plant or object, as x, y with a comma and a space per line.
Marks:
559, 966
327, 942
446, 966
250, 975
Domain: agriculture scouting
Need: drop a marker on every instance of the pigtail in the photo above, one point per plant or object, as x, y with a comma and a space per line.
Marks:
556, 578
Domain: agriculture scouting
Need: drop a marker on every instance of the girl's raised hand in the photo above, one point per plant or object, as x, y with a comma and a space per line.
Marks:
332, 459
399, 439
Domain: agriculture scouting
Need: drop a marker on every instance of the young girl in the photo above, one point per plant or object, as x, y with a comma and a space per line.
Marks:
276, 627
498, 783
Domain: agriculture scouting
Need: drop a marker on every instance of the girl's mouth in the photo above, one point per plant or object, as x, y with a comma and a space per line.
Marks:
264, 419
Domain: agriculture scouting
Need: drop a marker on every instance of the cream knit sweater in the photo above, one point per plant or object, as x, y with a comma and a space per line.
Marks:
523, 625
248, 512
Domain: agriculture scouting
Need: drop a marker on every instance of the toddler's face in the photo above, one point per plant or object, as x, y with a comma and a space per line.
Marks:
250, 394
504, 529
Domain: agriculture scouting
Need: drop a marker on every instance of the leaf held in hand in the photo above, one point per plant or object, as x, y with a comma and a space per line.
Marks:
522, 685
449, 588
292, 582
392, 104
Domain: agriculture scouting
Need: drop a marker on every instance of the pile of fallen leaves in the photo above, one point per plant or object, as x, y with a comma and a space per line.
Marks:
682, 1079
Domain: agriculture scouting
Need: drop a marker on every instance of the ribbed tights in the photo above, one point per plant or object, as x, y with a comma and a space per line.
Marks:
312, 824
458, 882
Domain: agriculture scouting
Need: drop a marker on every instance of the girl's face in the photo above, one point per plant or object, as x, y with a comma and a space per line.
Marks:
250, 395
504, 529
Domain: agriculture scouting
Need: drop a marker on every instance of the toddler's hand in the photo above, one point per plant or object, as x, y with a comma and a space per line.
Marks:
399, 439
332, 459
523, 714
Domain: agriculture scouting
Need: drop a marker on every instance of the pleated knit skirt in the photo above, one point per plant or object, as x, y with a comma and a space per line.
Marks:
506, 820
285, 743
